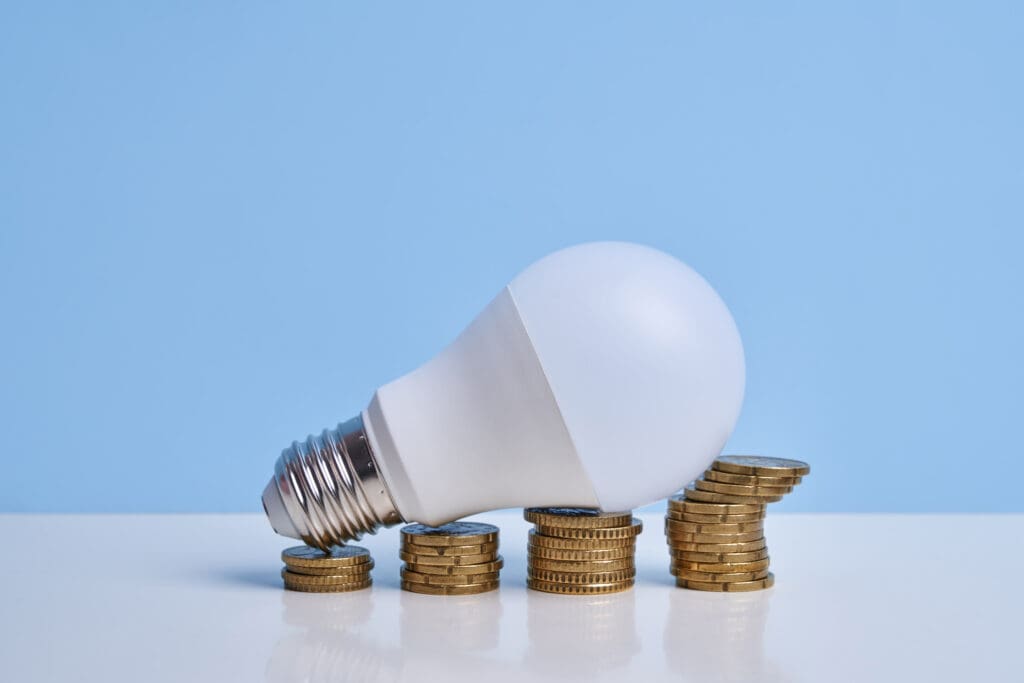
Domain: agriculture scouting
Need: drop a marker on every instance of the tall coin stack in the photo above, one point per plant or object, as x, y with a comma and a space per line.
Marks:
715, 528
459, 558
579, 551
338, 570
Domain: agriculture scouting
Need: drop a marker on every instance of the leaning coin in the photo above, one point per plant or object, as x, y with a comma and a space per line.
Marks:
720, 558
742, 489
693, 493
581, 577
578, 589
456, 570
721, 567
603, 533
616, 553
719, 547
338, 556
734, 577
683, 504
735, 587
761, 466
678, 537
750, 479
447, 579
713, 519
448, 550
446, 560
580, 518
351, 570
560, 543
465, 589
453, 533
596, 566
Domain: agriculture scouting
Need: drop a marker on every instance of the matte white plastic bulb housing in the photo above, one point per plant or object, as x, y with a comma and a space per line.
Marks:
605, 375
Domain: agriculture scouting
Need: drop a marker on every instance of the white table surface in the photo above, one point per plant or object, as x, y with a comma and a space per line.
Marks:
199, 598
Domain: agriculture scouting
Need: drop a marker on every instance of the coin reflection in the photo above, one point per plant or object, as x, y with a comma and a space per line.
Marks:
580, 636
719, 636
452, 623
328, 646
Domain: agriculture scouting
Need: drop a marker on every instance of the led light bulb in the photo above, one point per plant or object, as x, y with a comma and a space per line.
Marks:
605, 375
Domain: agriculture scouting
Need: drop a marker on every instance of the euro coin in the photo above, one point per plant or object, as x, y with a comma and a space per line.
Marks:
734, 587
447, 579
732, 577
328, 588
541, 541
293, 579
742, 489
709, 528
750, 479
719, 547
616, 553
604, 533
719, 558
693, 493
338, 556
578, 518
448, 550
456, 570
581, 577
675, 537
578, 589
353, 570
465, 589
721, 567
446, 560
713, 519
594, 567
453, 533
681, 503
761, 466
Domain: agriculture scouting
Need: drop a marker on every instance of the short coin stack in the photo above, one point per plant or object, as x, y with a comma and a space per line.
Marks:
715, 528
579, 551
338, 570
459, 558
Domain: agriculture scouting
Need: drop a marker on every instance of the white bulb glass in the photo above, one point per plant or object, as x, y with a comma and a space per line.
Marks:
605, 375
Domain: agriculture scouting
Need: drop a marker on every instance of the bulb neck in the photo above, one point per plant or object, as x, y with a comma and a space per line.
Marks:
329, 489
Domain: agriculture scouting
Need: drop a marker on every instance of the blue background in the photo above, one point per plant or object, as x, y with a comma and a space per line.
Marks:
223, 225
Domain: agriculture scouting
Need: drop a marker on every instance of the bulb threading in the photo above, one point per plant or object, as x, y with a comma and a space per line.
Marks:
332, 488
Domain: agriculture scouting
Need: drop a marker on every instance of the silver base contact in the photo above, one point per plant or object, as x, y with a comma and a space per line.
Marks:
328, 489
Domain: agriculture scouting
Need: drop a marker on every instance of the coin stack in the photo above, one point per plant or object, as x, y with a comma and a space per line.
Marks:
460, 558
715, 528
338, 570
579, 551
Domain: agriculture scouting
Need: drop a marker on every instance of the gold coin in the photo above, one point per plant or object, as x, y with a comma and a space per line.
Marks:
741, 489
328, 588
733, 587
464, 589
732, 577
353, 570
721, 567
446, 560
593, 566
761, 466
750, 479
609, 533
455, 569
713, 519
718, 547
581, 577
701, 528
448, 550
719, 558
447, 579
680, 503
693, 493
617, 553
307, 580
338, 556
542, 541
453, 533
578, 589
677, 537
577, 518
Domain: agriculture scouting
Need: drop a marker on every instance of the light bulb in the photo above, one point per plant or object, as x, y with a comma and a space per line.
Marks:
605, 375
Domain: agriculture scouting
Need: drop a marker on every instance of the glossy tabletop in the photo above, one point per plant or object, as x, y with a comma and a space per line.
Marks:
199, 598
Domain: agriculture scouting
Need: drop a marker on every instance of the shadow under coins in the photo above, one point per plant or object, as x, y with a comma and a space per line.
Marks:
578, 637
719, 636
